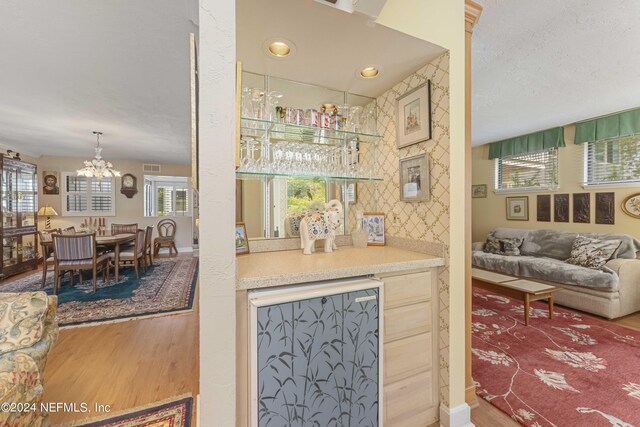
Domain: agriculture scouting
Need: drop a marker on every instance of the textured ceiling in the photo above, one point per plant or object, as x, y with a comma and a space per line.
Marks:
545, 63
68, 67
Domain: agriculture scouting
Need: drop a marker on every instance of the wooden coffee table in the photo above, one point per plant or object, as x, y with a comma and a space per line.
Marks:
520, 289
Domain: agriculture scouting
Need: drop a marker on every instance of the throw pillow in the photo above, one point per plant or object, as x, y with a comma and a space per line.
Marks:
592, 253
503, 246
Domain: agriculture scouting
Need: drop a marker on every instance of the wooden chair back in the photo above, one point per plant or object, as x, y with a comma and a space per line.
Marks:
148, 237
140, 241
124, 228
68, 231
167, 228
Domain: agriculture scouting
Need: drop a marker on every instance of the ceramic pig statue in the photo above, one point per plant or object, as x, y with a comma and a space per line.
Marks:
321, 225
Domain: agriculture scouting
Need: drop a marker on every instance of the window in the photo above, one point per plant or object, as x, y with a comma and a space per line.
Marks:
614, 161
528, 171
166, 196
82, 196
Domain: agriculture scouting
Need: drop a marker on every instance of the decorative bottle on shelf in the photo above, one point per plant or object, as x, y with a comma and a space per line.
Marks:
359, 236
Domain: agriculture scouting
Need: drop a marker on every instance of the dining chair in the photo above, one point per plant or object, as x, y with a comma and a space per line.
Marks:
77, 252
133, 256
166, 236
148, 251
68, 231
46, 245
124, 228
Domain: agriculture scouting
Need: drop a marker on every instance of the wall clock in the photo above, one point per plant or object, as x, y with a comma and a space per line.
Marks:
128, 185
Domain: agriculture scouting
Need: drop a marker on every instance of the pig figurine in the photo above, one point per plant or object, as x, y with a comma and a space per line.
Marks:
321, 225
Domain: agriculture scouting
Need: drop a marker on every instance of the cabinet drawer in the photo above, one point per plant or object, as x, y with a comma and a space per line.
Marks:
409, 403
408, 320
406, 357
407, 289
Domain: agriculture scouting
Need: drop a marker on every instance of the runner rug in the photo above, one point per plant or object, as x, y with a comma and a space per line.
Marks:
167, 287
174, 413
572, 370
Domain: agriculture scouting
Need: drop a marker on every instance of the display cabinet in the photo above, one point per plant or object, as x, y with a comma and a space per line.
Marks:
19, 216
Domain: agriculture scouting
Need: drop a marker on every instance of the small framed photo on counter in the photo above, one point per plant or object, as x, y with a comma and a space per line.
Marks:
242, 242
373, 224
414, 178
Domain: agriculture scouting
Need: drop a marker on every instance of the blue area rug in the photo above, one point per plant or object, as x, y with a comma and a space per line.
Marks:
167, 287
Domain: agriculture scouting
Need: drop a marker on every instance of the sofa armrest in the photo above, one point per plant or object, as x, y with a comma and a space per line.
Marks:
477, 246
623, 265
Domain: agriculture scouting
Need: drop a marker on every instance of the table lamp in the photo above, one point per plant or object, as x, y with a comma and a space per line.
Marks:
47, 211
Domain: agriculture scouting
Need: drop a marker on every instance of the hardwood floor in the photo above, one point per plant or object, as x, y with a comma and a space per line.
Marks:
124, 364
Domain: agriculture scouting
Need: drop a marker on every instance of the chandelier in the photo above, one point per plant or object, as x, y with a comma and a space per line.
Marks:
97, 167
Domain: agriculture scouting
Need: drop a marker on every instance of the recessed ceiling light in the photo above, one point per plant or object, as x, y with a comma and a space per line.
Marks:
369, 72
279, 48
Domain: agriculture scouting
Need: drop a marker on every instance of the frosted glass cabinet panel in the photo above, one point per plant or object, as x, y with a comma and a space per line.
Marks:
317, 361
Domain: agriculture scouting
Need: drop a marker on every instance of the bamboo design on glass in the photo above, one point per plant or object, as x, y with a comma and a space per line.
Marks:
318, 362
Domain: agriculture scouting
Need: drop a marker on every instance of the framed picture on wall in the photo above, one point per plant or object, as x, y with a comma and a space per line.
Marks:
373, 224
413, 113
479, 191
414, 178
518, 208
50, 182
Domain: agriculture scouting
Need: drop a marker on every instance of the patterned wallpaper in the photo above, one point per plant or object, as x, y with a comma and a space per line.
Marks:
426, 221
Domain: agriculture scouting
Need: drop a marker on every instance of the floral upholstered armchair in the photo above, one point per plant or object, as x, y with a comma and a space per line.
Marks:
28, 329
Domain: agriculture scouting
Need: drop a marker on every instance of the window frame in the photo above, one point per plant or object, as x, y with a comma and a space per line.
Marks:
150, 195
589, 154
89, 193
551, 186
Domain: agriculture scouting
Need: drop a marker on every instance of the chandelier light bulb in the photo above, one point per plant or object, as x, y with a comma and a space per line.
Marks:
97, 167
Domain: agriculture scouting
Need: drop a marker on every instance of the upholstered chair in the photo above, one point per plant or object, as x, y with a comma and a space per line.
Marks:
76, 253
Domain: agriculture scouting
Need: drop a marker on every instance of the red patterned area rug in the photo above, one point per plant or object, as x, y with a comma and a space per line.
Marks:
572, 370
169, 413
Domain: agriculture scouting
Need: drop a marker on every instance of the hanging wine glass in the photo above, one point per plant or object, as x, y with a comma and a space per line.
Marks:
369, 121
273, 100
355, 114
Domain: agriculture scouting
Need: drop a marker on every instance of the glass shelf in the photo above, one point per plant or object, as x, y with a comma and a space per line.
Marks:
258, 175
300, 133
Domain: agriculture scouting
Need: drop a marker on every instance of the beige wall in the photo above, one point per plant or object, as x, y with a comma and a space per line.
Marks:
442, 22
127, 210
490, 212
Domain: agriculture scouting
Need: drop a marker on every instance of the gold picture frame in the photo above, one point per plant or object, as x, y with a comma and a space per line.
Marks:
631, 205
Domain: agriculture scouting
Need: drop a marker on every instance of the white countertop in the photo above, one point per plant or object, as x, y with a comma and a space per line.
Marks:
267, 269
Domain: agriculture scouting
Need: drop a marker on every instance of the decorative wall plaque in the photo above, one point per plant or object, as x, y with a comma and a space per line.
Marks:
544, 207
582, 208
561, 207
606, 208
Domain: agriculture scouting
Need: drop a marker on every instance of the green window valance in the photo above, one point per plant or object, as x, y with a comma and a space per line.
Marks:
616, 125
530, 143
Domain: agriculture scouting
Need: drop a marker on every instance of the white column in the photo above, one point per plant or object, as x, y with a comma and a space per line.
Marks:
217, 57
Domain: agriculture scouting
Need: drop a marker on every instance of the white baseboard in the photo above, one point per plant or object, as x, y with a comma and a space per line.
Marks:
460, 416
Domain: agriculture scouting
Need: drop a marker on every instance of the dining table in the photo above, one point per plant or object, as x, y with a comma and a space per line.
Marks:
114, 240
106, 239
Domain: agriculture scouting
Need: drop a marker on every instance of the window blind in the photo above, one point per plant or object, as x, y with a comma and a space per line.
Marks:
532, 170
613, 161
87, 196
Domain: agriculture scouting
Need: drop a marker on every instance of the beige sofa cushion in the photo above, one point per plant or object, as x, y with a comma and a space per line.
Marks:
21, 319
